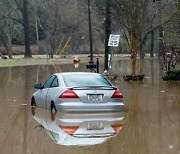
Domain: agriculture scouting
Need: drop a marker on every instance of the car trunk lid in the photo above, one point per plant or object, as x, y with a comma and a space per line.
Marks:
94, 94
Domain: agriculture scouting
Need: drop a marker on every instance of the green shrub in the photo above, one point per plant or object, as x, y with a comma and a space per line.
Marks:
172, 75
133, 77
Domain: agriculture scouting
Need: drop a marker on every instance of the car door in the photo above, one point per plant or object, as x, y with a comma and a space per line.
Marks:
42, 94
53, 92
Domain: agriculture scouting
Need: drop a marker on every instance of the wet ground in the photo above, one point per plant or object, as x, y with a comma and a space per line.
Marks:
151, 126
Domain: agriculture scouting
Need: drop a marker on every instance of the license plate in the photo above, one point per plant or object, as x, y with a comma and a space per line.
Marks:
93, 97
95, 126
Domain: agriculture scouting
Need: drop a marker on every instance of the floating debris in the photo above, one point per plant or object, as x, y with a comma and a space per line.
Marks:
24, 104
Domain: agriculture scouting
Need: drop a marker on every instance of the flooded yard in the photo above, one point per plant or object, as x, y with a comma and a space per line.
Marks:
151, 125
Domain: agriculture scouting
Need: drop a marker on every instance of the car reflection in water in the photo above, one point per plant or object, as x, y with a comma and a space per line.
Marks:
81, 129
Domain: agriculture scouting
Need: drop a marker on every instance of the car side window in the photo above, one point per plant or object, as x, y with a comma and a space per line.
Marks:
47, 84
55, 83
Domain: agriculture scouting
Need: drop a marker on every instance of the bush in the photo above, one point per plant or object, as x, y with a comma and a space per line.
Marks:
133, 77
172, 75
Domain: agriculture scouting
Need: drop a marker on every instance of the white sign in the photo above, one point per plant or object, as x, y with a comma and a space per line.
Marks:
113, 40
109, 61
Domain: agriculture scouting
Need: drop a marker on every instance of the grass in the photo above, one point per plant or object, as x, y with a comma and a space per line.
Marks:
38, 60
23, 62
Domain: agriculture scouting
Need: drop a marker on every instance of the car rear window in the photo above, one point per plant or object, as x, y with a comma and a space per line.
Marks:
80, 80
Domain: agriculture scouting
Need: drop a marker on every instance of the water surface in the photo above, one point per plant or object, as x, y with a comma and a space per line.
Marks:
152, 123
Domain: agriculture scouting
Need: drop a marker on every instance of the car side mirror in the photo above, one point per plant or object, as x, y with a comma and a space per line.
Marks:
39, 128
38, 86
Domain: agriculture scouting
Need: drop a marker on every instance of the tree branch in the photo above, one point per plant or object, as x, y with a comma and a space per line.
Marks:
14, 19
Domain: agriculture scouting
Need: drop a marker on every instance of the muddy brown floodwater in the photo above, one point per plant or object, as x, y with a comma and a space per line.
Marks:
151, 126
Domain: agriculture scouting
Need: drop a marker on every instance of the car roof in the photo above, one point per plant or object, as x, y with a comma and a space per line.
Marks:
78, 73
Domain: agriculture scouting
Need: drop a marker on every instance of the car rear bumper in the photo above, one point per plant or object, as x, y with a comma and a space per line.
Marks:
89, 107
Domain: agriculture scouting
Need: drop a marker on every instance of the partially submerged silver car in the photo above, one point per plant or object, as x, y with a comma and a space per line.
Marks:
78, 92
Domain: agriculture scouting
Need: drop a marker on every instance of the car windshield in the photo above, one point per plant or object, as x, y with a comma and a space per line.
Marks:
81, 80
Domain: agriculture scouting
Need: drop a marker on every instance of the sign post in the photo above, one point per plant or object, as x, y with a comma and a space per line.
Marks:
112, 42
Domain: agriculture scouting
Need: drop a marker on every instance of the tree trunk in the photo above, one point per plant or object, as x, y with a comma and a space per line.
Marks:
134, 47
2, 56
141, 50
179, 26
8, 47
161, 29
6, 41
26, 30
9, 50
152, 45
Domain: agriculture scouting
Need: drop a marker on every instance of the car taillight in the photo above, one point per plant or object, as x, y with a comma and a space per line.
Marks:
117, 94
69, 94
69, 129
117, 128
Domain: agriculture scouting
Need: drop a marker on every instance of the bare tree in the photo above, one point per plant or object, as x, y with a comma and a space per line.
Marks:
59, 20
5, 39
7, 25
131, 16
169, 55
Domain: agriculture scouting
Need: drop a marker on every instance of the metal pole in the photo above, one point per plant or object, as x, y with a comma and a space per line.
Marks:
107, 33
161, 35
97, 63
90, 32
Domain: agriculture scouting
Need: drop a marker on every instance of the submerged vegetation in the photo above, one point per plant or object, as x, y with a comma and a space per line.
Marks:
172, 75
133, 77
